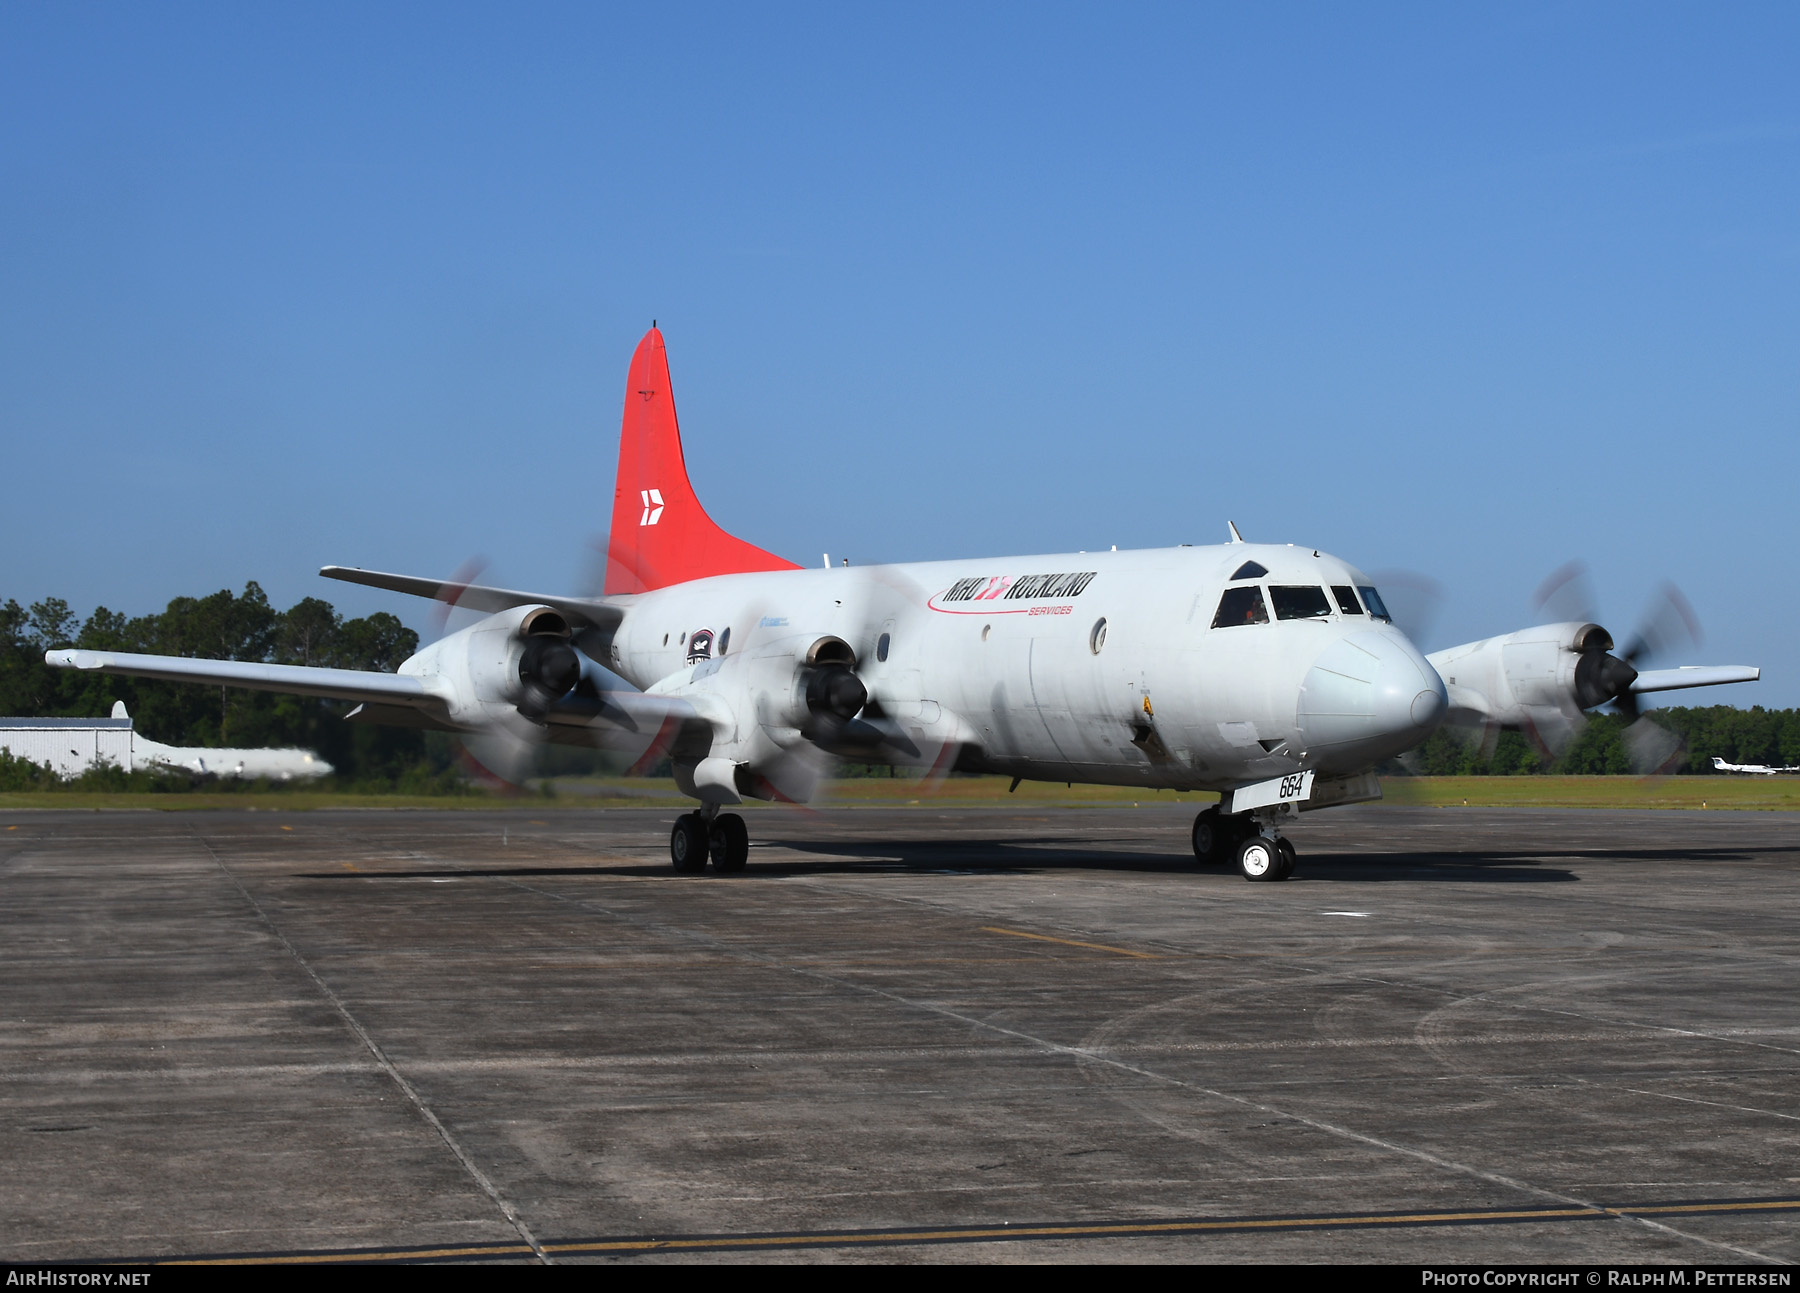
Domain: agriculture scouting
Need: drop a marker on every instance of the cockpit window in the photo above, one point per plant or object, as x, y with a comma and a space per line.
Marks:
1346, 599
1250, 570
1372, 600
1241, 606
1299, 602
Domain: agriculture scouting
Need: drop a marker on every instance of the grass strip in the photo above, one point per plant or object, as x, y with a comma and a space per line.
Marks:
1694, 793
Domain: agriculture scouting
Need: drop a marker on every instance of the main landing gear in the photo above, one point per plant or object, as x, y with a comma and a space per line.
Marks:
1251, 840
709, 833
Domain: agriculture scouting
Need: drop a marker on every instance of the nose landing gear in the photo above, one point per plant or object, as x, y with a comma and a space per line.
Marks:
1262, 858
1251, 840
698, 835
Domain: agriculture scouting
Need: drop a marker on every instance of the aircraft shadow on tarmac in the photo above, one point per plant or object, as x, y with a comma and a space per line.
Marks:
1003, 858
999, 857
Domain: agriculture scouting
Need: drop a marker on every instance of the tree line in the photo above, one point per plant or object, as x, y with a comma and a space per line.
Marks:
244, 626
225, 626
1755, 735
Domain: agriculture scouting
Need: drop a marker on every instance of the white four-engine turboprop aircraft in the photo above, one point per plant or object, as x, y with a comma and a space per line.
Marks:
1268, 672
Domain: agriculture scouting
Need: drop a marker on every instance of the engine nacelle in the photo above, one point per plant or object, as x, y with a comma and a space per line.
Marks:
510, 666
1518, 679
800, 689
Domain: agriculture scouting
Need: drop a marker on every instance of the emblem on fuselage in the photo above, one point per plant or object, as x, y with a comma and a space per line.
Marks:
700, 645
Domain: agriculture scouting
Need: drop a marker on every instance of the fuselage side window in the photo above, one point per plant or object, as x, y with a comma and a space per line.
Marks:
1372, 600
1299, 602
1346, 599
1241, 606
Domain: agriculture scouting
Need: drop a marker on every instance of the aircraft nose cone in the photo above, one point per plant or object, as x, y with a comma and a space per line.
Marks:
1428, 706
1370, 694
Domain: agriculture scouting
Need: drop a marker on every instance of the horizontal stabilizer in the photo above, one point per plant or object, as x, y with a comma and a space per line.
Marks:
295, 680
1694, 676
586, 611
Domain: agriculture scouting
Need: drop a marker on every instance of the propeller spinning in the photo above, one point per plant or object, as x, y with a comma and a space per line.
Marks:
854, 700
1605, 676
496, 757
788, 706
1543, 680
551, 671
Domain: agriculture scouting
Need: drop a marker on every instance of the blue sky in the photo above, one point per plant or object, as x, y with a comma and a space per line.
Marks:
1460, 290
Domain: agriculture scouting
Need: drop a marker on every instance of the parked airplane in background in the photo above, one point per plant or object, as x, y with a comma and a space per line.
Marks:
288, 764
1268, 672
70, 747
1758, 769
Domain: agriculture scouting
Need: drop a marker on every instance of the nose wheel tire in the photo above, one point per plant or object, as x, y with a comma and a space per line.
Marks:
1287, 858
688, 844
729, 843
1261, 858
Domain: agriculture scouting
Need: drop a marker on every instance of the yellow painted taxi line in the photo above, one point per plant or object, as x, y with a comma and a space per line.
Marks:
1745, 1205
339, 1258
1095, 1230
1003, 1233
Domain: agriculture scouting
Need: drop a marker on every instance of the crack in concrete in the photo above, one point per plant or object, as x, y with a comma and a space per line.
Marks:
386, 1065
1083, 1054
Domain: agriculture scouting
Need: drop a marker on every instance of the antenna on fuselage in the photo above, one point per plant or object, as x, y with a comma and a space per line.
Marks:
1235, 536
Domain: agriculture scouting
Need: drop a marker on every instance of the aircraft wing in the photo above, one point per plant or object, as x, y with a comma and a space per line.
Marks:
612, 715
298, 680
1694, 676
588, 611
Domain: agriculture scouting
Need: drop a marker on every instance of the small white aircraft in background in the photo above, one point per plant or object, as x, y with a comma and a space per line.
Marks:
1268, 672
1756, 769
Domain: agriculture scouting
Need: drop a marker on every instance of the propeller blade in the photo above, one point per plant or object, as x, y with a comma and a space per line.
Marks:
1414, 600
1552, 730
1651, 748
1567, 593
1668, 624
465, 575
504, 757
592, 580
797, 776
1490, 742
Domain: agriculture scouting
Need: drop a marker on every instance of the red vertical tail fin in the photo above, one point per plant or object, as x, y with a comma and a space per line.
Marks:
660, 533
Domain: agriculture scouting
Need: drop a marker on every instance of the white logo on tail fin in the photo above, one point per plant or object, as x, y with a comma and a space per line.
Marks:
653, 506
